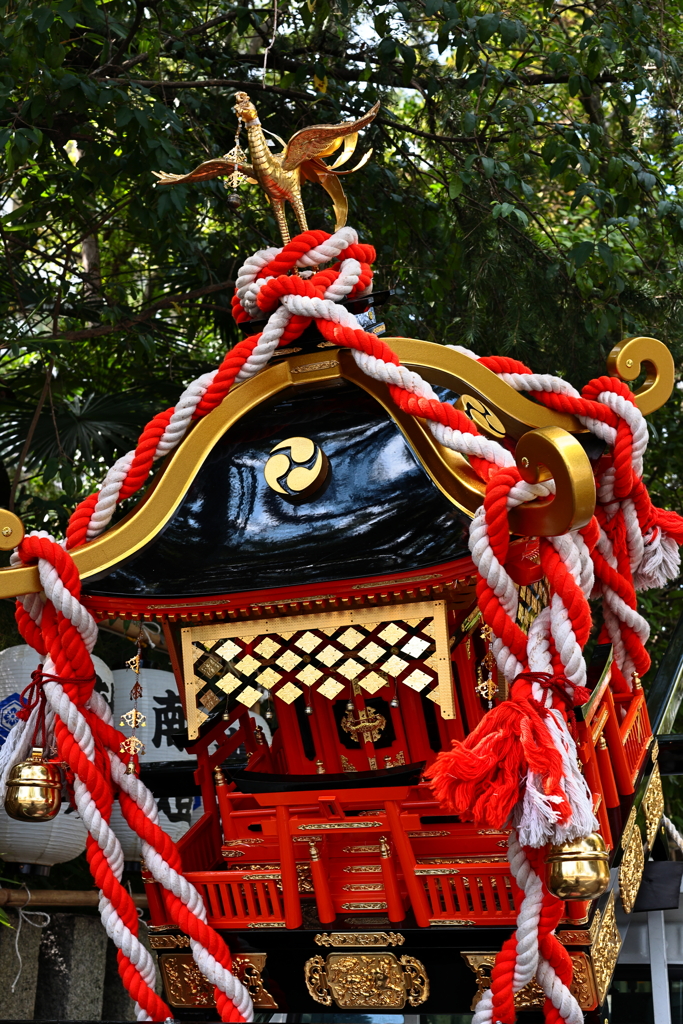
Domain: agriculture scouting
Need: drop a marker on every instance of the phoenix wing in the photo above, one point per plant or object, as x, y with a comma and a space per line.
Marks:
315, 170
204, 172
321, 139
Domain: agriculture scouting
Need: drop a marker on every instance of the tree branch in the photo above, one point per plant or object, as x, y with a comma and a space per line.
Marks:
131, 321
139, 11
210, 83
29, 437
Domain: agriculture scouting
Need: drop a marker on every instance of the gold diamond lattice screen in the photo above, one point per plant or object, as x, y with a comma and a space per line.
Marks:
407, 645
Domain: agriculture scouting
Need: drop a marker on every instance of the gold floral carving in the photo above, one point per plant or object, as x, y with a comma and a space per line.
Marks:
249, 968
437, 871
583, 937
366, 981
632, 863
363, 869
606, 950
169, 941
363, 887
339, 939
342, 824
532, 996
304, 879
653, 805
364, 906
186, 987
451, 922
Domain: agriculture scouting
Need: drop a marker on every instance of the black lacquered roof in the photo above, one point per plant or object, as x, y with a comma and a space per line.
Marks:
378, 513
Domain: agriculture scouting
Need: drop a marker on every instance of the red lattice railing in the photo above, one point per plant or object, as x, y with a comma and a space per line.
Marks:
474, 894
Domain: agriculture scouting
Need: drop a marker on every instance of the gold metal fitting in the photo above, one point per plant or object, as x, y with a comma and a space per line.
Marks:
578, 870
11, 530
34, 789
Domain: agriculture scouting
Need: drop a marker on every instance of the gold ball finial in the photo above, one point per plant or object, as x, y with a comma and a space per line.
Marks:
11, 530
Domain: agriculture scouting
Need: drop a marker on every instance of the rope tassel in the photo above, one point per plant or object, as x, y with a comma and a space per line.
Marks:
509, 757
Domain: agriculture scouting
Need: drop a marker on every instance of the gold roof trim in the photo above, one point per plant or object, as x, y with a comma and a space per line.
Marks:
544, 441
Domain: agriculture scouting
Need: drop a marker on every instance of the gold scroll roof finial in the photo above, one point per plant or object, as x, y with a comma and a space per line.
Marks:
280, 175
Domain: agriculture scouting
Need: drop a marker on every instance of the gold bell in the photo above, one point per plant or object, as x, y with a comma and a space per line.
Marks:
578, 870
34, 789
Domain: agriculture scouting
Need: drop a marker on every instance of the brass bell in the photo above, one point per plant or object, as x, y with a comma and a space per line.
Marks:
34, 789
578, 870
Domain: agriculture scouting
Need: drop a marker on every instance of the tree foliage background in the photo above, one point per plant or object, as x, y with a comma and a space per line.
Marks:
525, 197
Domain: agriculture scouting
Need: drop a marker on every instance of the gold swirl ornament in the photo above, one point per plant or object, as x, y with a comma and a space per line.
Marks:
297, 467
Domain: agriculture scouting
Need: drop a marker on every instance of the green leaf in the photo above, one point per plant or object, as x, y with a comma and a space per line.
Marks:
647, 180
469, 123
455, 187
408, 56
487, 26
43, 18
386, 50
580, 254
488, 166
606, 255
54, 54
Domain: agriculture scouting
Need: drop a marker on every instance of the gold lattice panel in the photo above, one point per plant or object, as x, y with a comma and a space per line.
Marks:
319, 653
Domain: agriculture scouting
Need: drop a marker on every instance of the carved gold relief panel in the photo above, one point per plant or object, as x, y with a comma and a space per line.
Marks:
532, 997
632, 863
366, 981
653, 805
185, 987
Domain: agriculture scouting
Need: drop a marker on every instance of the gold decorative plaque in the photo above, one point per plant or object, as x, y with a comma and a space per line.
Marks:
185, 987
366, 981
532, 996
653, 805
632, 863
340, 939
605, 950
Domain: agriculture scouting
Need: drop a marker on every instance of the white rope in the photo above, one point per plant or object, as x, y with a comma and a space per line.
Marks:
673, 832
26, 916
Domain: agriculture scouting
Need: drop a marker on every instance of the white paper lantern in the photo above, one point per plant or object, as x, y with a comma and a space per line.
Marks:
48, 842
16, 667
45, 842
160, 704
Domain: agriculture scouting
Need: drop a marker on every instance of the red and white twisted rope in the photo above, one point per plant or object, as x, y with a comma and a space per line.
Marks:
90, 745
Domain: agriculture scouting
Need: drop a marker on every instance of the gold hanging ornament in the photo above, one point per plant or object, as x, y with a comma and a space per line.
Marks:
487, 686
236, 156
134, 719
